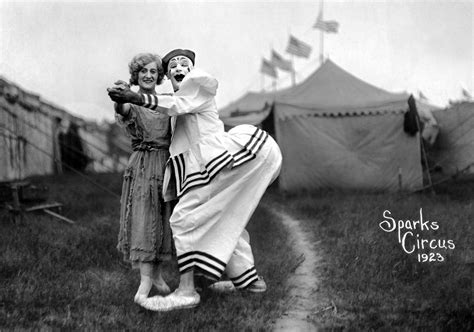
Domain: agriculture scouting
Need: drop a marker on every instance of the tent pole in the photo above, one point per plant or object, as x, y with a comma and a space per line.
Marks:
293, 78
321, 54
321, 37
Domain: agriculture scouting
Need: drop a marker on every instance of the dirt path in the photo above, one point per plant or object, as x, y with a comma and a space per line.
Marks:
304, 283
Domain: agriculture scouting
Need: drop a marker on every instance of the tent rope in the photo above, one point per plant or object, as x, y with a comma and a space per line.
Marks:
69, 147
446, 178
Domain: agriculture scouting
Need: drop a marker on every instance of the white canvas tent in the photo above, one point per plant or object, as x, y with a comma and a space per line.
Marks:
30, 131
430, 125
252, 108
337, 131
453, 150
24, 118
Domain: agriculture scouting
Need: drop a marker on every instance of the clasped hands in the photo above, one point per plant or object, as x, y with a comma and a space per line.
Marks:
121, 93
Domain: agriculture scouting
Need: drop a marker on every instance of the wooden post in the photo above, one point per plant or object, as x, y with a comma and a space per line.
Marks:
400, 180
16, 216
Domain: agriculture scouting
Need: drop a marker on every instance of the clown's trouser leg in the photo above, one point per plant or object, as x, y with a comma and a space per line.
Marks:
208, 222
240, 268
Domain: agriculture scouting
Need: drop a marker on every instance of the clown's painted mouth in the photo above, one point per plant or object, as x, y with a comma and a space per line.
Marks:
179, 77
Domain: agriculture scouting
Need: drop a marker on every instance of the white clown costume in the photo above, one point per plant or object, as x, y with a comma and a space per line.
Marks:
219, 178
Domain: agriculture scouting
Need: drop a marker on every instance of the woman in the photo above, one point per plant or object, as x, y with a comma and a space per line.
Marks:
145, 236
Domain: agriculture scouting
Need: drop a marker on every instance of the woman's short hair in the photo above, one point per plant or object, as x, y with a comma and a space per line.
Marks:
141, 60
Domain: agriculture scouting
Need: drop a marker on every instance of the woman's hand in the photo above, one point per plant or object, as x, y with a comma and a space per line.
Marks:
121, 93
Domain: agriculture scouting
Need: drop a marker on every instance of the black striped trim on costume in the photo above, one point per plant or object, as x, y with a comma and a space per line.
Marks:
186, 182
150, 101
192, 180
246, 278
258, 138
210, 266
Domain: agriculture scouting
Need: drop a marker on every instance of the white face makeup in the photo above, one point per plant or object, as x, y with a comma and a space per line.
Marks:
147, 77
178, 68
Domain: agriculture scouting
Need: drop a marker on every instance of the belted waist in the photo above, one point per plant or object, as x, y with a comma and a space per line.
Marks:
148, 146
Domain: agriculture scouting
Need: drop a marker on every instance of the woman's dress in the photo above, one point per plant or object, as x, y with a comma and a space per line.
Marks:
145, 234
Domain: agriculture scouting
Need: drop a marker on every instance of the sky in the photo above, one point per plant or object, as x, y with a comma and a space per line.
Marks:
70, 52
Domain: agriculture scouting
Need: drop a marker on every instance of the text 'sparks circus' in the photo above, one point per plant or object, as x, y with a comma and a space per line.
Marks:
417, 236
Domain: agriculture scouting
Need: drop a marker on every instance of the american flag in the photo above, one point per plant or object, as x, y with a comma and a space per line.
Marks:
279, 62
421, 96
466, 94
326, 26
268, 69
298, 48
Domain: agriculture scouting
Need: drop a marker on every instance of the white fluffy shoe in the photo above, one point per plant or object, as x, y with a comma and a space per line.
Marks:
162, 287
173, 301
140, 299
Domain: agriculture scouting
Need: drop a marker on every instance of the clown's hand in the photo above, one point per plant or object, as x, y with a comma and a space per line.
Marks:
122, 84
122, 94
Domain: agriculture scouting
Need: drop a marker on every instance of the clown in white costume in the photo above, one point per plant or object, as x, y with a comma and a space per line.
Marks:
219, 178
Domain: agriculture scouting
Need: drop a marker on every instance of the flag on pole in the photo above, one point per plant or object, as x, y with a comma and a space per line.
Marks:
326, 26
298, 48
280, 62
466, 94
268, 68
421, 96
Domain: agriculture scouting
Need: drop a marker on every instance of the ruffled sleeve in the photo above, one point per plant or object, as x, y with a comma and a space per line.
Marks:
196, 94
198, 79
128, 122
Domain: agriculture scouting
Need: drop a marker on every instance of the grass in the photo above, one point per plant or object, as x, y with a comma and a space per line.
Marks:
367, 279
56, 275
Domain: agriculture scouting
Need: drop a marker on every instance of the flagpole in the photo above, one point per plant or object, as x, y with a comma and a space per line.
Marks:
321, 37
293, 78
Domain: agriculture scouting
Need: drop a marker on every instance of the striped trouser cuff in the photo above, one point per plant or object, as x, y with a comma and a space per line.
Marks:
246, 278
207, 264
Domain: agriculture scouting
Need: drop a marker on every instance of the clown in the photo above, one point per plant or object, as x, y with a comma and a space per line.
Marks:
219, 178
177, 67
